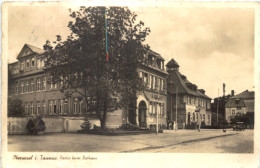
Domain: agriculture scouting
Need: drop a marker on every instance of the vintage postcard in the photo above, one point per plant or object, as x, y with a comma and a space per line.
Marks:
121, 84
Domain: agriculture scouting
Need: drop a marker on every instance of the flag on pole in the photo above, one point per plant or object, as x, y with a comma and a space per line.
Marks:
107, 56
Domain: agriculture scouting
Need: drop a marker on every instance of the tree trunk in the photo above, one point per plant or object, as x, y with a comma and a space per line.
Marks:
104, 118
103, 123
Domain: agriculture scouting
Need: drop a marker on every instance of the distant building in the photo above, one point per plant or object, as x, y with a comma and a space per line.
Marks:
242, 103
193, 105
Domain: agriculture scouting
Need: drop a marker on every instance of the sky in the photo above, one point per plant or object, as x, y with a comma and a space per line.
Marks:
212, 45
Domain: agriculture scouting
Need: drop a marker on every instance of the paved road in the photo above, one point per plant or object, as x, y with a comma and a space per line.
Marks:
184, 141
243, 142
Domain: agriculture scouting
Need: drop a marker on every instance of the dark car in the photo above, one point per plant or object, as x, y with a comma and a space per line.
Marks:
239, 126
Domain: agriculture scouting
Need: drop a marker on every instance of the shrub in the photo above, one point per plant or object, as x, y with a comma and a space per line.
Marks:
85, 126
35, 125
128, 127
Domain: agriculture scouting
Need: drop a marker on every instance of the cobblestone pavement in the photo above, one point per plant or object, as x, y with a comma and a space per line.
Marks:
184, 141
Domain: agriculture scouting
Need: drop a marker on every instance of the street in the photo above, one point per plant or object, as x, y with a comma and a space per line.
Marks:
180, 141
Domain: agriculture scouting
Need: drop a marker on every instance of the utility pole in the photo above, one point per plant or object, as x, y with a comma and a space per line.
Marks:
217, 106
157, 115
176, 123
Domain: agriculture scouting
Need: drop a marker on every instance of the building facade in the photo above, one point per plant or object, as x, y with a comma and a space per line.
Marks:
187, 103
242, 103
154, 99
28, 81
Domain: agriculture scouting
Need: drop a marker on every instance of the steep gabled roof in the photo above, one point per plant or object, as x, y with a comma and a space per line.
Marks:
234, 103
245, 95
156, 54
28, 50
179, 79
184, 83
202, 95
35, 49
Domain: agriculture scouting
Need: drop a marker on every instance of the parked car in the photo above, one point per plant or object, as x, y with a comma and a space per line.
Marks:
239, 126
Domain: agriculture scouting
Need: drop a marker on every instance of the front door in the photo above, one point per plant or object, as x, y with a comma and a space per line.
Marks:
142, 114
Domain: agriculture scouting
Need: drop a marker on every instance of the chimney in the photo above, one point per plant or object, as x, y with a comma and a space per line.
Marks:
224, 86
232, 92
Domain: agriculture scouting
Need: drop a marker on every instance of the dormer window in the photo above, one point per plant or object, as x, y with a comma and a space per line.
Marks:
32, 62
150, 60
159, 64
27, 63
237, 101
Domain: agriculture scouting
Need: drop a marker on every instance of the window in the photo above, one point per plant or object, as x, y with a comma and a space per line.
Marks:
54, 107
145, 78
237, 101
141, 74
150, 81
32, 108
150, 60
61, 106
160, 108
38, 63
44, 83
154, 82
43, 107
38, 84
53, 84
22, 87
75, 106
159, 64
238, 108
80, 106
66, 106
163, 109
42, 63
204, 117
154, 108
50, 106
32, 62
27, 63
38, 108
27, 86
32, 85
208, 119
233, 112
61, 81
151, 108
16, 88
27, 108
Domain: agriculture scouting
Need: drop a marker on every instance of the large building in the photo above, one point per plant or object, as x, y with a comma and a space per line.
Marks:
193, 105
28, 81
242, 103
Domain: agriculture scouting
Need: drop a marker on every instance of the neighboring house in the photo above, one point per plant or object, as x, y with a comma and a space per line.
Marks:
28, 81
193, 105
154, 99
242, 103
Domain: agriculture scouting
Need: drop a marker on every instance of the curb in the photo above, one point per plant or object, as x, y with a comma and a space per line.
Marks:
183, 142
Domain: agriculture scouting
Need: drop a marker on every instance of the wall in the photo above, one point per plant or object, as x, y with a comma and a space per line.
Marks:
17, 125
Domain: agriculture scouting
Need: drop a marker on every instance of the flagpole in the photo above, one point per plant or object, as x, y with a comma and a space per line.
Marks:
107, 57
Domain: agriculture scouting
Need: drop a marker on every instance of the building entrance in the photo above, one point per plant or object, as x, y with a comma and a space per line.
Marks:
142, 114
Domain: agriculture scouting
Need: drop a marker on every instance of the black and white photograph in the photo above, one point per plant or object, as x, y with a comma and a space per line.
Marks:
122, 79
